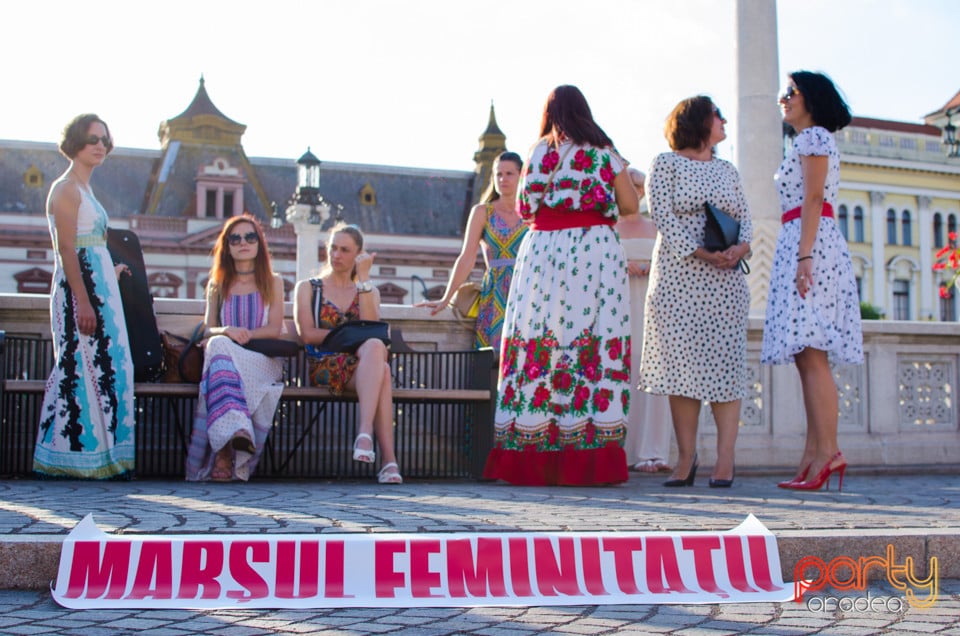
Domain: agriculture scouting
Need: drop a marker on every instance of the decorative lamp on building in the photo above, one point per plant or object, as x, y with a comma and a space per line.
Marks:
951, 142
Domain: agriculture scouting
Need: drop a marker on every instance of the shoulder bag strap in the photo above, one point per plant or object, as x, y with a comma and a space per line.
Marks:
317, 285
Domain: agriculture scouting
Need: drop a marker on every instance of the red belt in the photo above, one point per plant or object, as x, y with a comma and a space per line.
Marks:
790, 215
563, 218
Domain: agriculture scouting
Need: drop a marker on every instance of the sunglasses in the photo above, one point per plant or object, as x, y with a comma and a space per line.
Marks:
93, 139
249, 237
789, 93
716, 111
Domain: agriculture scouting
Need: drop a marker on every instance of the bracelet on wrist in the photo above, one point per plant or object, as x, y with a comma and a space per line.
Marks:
804, 258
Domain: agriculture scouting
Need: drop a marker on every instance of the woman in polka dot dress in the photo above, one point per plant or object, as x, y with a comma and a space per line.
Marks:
695, 321
813, 309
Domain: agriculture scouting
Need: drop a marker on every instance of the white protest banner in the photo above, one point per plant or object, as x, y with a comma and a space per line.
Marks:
457, 569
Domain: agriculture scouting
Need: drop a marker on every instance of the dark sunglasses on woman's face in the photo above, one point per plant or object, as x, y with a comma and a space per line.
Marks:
716, 111
789, 93
249, 237
93, 139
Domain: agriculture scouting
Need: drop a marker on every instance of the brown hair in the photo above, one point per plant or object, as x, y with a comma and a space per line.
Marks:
353, 232
74, 136
223, 272
689, 123
567, 113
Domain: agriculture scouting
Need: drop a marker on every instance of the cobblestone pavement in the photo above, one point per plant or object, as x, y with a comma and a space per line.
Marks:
36, 613
869, 502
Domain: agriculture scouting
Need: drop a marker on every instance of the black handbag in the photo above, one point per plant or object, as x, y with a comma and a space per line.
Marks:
721, 231
273, 347
348, 337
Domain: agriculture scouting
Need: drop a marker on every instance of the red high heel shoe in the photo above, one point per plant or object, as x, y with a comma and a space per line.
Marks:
823, 477
802, 476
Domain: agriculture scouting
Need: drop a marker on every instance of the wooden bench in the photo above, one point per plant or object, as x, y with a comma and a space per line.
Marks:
443, 410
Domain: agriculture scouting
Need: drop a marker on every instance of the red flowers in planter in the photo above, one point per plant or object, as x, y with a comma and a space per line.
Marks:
948, 258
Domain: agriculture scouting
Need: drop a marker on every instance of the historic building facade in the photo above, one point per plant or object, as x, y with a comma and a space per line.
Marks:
175, 199
899, 200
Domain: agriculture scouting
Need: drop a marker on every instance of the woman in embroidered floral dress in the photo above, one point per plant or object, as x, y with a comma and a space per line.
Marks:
239, 388
564, 386
813, 310
497, 230
87, 417
343, 293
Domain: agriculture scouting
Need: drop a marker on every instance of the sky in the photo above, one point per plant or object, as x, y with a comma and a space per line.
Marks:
410, 82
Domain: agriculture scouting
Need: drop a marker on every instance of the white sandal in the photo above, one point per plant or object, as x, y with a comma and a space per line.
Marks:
360, 455
386, 476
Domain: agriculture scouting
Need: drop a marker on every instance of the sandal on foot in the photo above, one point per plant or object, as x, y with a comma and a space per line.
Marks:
241, 442
360, 455
222, 469
388, 476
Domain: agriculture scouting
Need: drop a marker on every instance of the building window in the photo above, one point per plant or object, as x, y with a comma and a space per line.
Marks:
937, 230
891, 227
210, 211
948, 304
908, 143
901, 299
368, 196
906, 229
842, 221
227, 204
858, 224
859, 280
951, 224
886, 141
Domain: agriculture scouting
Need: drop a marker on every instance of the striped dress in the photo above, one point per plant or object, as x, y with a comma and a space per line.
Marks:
239, 392
502, 244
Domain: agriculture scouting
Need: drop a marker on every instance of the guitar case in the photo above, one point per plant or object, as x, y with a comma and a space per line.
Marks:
146, 346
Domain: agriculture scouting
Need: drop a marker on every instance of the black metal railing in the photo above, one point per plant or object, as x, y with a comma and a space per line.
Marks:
312, 437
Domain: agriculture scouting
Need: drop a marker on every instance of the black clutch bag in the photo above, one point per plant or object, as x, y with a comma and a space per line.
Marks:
348, 337
273, 347
721, 231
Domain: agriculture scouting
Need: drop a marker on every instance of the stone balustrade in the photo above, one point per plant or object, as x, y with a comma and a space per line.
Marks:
898, 409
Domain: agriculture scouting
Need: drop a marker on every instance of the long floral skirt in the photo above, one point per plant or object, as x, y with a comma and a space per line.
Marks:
564, 387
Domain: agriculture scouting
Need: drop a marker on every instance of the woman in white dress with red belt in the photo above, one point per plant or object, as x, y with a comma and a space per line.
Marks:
813, 309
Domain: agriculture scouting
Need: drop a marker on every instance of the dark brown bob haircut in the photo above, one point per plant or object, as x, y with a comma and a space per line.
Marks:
689, 123
75, 135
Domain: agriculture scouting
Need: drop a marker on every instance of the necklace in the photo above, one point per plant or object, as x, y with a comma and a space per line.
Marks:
252, 271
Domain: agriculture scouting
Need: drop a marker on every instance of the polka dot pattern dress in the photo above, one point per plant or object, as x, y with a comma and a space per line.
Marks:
695, 320
829, 318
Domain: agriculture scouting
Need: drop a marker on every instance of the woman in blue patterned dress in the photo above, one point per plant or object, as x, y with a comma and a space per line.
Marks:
813, 309
496, 229
239, 388
87, 417
564, 386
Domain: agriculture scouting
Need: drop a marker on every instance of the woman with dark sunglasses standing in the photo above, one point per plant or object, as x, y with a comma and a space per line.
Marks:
813, 309
239, 388
87, 417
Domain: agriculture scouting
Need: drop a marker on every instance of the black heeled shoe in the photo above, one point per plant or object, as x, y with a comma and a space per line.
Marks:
722, 483
678, 483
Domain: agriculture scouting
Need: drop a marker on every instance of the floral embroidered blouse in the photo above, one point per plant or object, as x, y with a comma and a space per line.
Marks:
584, 182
